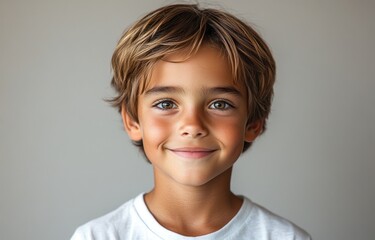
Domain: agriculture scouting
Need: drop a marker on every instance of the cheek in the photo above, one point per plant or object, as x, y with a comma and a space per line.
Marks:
231, 132
155, 129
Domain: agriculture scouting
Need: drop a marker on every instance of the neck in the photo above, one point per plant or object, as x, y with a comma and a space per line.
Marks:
193, 210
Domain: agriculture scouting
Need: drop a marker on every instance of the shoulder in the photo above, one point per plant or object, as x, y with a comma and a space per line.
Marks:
265, 222
106, 227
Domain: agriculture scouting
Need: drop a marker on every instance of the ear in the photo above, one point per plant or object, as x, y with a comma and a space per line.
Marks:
253, 130
131, 126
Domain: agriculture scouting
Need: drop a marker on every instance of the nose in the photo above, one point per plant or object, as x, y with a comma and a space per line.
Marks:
192, 124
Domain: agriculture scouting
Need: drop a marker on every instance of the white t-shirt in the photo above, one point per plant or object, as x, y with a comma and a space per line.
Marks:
134, 221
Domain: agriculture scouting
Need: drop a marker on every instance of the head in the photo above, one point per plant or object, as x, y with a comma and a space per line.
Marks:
185, 28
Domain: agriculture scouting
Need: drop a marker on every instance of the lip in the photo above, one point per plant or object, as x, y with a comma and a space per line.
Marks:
192, 152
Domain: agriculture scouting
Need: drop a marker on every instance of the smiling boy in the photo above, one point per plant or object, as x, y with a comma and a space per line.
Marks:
194, 89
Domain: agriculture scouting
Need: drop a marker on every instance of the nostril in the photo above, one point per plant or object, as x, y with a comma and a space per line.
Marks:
192, 134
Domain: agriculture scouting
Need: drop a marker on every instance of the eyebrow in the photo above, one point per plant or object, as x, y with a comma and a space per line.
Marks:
220, 90
164, 89
214, 90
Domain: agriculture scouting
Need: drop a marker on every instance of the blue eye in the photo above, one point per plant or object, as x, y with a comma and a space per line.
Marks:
165, 105
220, 105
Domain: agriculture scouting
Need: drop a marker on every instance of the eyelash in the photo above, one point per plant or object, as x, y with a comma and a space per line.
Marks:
172, 105
226, 104
163, 101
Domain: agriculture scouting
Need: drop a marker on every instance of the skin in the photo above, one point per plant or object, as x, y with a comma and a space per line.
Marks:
193, 123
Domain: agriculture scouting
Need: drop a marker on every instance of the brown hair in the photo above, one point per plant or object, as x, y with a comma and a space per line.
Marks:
182, 27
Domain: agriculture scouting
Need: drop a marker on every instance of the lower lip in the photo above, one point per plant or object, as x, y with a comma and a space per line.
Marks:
192, 154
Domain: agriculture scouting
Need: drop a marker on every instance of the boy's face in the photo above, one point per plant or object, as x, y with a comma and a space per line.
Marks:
192, 118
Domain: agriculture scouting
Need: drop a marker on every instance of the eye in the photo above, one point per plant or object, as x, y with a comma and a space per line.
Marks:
165, 105
221, 105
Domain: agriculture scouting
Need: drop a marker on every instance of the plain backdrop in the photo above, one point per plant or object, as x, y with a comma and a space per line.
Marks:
65, 158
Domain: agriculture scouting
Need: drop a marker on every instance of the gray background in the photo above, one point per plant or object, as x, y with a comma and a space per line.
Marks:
65, 159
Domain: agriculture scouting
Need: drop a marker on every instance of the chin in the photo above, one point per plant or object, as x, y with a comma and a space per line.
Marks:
196, 180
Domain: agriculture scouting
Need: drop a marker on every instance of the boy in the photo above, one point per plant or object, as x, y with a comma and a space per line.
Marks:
194, 89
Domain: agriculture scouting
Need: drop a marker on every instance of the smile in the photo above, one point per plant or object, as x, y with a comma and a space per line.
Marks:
192, 152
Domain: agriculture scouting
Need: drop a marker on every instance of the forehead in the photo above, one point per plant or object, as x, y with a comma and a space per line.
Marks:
208, 67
